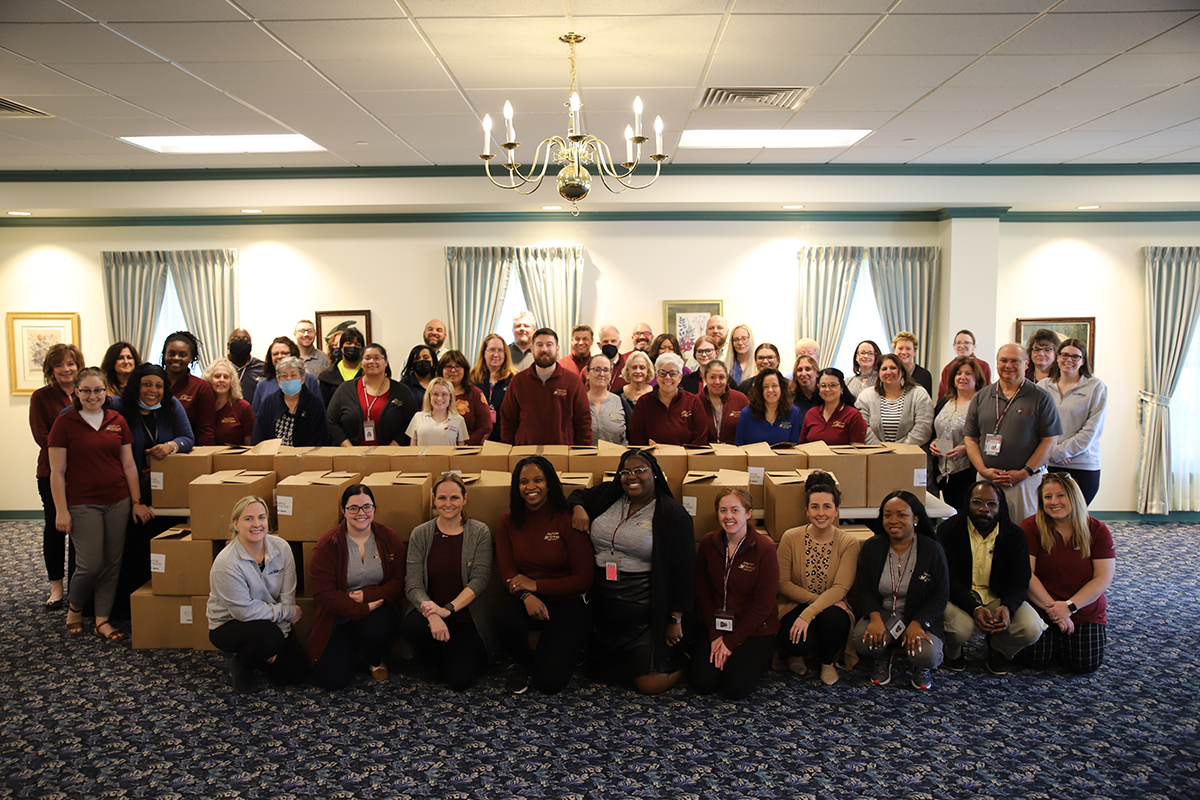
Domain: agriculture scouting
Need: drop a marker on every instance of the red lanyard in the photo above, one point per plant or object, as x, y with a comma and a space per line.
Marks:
612, 546
897, 578
999, 416
729, 559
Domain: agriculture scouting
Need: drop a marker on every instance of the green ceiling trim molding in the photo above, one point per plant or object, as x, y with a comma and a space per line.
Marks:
1101, 216
469, 171
972, 212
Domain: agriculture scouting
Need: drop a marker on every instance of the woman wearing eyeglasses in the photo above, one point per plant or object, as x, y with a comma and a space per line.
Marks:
1081, 400
468, 398
766, 356
667, 415
836, 421
1043, 350
610, 412
704, 350
770, 416
372, 408
739, 359
357, 580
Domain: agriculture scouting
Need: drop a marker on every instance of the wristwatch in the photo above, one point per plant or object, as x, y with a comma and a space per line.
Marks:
674, 620
1071, 605
449, 607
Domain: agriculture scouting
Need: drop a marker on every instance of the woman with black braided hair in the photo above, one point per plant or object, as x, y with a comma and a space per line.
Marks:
180, 350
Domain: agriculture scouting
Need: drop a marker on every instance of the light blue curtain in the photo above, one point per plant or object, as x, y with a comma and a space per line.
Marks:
553, 281
476, 280
827, 279
206, 282
1172, 305
134, 285
905, 281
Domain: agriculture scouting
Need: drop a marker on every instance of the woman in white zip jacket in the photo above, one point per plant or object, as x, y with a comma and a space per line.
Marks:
1081, 401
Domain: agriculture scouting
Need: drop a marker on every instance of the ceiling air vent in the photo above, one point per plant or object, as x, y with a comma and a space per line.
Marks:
12, 110
764, 97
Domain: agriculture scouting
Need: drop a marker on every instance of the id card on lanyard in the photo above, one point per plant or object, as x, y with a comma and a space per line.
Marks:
369, 432
993, 441
723, 618
895, 624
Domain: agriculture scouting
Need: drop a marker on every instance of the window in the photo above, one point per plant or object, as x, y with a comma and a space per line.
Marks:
1185, 434
514, 303
170, 319
862, 323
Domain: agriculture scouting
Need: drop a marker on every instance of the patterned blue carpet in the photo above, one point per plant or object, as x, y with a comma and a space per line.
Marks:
86, 718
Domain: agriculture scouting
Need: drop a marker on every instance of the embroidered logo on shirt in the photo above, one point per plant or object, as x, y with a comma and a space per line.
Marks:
785, 425
735, 414
560, 392
552, 536
114, 428
685, 413
185, 398
747, 566
837, 424
924, 577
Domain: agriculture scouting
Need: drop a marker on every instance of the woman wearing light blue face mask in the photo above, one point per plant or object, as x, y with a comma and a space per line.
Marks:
295, 415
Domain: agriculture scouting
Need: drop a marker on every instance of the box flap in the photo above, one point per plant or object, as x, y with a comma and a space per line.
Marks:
723, 449
269, 447
491, 448
175, 534
699, 476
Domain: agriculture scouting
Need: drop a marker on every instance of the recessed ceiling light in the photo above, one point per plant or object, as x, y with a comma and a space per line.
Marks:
551, 208
772, 139
360, 144
251, 210
792, 208
255, 143
908, 140
1086, 208
20, 213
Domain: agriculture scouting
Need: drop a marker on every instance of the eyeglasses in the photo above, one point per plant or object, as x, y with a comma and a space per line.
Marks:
90, 392
990, 505
1043, 350
1070, 357
1011, 361
368, 508
765, 359
373, 359
707, 351
305, 331
452, 368
741, 340
829, 386
636, 472
601, 370
665, 373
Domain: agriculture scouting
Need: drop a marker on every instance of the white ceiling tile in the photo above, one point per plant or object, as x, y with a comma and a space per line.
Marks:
972, 6
1049, 121
961, 155
152, 11
84, 107
71, 43
618, 37
220, 161
485, 8
385, 158
1009, 139
438, 101
142, 160
655, 100
1124, 5
38, 11
786, 69
763, 35
816, 155
1180, 98
744, 7
343, 134
1188, 125
321, 9
351, 39
226, 126
860, 70
294, 107
1129, 119
1163, 69
238, 76
1183, 156
462, 131
99, 145
843, 120
953, 122
594, 8
67, 161
896, 139
15, 146
1087, 140
1097, 99
970, 98
404, 73
40, 130
550, 73
1002, 70
536, 37
1128, 154
1180, 39
972, 34
1172, 138
865, 98
1060, 34
23, 79
1040, 155
878, 155
731, 120
194, 41
140, 79
304, 160
695, 155
208, 104
150, 126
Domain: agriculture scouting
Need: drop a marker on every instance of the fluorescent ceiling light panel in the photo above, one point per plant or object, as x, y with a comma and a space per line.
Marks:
258, 143
772, 139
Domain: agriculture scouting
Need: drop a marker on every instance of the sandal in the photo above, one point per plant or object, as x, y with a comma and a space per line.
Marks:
114, 635
74, 625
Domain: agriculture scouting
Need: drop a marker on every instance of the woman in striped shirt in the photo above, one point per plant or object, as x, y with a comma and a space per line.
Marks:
896, 409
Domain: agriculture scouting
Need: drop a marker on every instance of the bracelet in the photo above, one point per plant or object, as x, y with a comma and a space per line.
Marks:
674, 620
524, 595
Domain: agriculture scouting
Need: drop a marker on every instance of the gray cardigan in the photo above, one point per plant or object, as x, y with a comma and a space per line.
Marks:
476, 571
239, 590
916, 419
1082, 415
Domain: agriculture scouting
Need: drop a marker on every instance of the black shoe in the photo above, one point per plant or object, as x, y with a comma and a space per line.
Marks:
54, 605
518, 680
996, 662
956, 664
241, 678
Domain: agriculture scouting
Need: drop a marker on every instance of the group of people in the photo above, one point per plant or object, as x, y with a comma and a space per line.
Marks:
610, 576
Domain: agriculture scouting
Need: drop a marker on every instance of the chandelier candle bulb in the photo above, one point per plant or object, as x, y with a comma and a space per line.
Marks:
637, 116
628, 143
575, 106
487, 134
508, 121
658, 129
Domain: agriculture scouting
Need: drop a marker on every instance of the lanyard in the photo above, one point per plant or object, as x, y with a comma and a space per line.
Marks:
729, 559
627, 514
897, 578
999, 416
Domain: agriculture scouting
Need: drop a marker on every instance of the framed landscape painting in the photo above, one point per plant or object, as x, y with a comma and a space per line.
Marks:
1081, 328
687, 319
30, 337
330, 321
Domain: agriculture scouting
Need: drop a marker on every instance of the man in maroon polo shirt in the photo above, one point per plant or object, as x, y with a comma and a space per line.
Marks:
545, 404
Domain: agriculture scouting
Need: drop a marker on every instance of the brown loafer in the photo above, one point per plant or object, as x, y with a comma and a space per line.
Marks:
379, 673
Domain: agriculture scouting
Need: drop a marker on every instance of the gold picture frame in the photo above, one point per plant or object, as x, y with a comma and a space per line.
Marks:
31, 334
687, 319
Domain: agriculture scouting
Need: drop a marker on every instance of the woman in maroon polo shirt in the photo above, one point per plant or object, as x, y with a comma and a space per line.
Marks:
234, 416
468, 398
180, 351
722, 403
93, 477
61, 364
737, 577
836, 420
668, 415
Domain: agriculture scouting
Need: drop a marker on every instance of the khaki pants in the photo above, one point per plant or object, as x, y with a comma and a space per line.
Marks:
1023, 498
1024, 628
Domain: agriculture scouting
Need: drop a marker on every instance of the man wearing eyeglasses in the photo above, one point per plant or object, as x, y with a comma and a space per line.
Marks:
314, 358
988, 561
1010, 431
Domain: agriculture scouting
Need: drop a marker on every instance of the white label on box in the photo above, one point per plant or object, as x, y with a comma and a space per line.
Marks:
156, 480
283, 505
918, 477
456, 471
757, 475
185, 614
158, 562
689, 503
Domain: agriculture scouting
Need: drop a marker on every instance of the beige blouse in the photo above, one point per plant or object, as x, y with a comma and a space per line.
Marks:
816, 574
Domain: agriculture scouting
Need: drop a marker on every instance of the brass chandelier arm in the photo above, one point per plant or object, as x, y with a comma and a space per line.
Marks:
625, 179
517, 181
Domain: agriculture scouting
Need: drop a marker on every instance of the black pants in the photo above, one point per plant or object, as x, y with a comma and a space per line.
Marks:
374, 633
135, 559
1088, 480
560, 644
742, 668
461, 660
54, 541
252, 643
827, 634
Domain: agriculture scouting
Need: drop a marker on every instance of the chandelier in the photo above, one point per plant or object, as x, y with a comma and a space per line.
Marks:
574, 151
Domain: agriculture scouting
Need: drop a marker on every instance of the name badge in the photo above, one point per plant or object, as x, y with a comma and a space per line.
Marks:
896, 626
493, 414
724, 621
991, 444
368, 432
610, 571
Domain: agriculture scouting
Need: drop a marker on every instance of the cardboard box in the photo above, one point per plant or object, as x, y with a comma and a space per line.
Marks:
301, 460
212, 498
848, 463
717, 456
559, 455
700, 493
259, 458
896, 466
304, 587
169, 478
576, 480
402, 499
179, 564
488, 496
364, 460
762, 458
604, 457
309, 504
476, 458
434, 460
786, 501
199, 633
161, 622
860, 532
673, 460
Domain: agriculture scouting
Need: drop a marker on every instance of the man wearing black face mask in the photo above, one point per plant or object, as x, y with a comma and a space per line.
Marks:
988, 561
347, 368
249, 368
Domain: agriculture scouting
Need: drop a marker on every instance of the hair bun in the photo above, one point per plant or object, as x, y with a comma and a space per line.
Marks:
818, 479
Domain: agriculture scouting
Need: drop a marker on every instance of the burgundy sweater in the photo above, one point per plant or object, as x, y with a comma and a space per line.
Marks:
753, 584
548, 550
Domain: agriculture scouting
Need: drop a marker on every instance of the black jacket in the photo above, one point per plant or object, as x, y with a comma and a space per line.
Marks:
928, 590
344, 416
330, 379
309, 430
1010, 564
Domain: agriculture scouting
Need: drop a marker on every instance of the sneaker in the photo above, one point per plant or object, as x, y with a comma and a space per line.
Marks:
881, 672
829, 674
518, 680
997, 663
922, 678
955, 664
797, 665
241, 678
